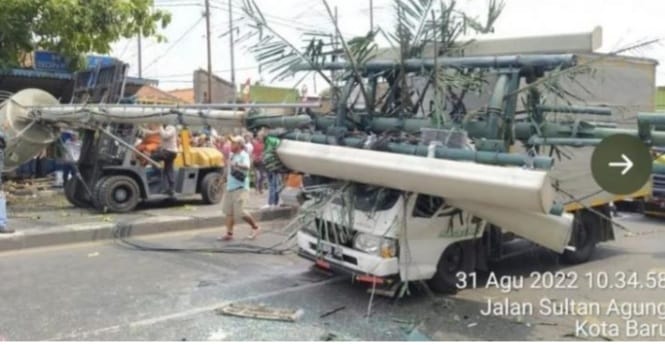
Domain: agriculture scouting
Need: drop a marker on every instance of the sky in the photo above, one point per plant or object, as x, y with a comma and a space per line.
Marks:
624, 22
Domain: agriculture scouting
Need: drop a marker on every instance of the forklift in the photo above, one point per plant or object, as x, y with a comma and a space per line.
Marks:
110, 178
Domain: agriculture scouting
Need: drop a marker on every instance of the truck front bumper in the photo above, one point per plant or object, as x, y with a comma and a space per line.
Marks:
346, 260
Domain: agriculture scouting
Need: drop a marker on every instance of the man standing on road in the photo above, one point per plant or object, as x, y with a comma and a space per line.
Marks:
237, 190
167, 153
4, 228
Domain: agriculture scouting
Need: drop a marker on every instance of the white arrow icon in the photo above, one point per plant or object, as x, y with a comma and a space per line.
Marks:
627, 163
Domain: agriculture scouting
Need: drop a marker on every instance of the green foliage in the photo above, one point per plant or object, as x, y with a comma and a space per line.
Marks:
276, 54
73, 27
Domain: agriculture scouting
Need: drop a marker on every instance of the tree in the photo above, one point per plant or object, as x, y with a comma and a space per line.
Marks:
73, 27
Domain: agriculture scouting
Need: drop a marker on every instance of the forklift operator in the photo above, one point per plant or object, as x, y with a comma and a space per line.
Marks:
150, 143
166, 153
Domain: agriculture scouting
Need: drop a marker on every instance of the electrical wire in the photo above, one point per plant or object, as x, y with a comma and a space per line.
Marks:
185, 33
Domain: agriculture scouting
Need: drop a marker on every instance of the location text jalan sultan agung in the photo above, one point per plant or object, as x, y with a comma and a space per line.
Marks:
627, 312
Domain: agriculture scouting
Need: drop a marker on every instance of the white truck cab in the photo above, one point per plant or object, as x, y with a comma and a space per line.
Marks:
385, 236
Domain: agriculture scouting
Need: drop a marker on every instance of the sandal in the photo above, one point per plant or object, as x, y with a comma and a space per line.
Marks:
227, 237
253, 234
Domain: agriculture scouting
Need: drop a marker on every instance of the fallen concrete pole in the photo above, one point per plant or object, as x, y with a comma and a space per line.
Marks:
511, 188
514, 199
549, 231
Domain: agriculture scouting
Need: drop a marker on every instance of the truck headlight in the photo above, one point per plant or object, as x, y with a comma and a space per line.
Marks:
375, 245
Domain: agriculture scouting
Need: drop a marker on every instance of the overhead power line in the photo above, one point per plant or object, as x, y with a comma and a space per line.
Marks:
178, 75
188, 31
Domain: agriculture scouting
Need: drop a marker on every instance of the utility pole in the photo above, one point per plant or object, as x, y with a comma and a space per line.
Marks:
207, 14
140, 57
371, 15
333, 75
231, 46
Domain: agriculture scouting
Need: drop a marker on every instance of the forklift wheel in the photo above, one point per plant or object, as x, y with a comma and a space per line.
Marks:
212, 188
70, 194
118, 194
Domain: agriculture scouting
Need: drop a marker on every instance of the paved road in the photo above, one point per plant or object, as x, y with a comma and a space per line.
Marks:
106, 291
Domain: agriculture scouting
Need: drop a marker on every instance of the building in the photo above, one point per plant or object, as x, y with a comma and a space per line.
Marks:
148, 94
223, 91
187, 95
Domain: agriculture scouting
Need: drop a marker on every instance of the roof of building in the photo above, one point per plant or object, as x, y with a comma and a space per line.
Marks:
151, 94
187, 95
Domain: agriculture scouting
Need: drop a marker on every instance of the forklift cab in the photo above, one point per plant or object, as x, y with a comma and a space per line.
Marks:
113, 180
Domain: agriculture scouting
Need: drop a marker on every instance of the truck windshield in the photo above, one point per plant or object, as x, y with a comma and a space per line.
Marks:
368, 198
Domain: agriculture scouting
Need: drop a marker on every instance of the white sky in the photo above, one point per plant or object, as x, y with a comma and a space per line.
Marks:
624, 22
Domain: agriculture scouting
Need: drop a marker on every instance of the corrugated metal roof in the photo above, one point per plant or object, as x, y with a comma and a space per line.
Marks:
29, 73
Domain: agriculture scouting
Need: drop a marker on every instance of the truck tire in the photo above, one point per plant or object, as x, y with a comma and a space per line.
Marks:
584, 238
457, 257
212, 188
70, 193
117, 194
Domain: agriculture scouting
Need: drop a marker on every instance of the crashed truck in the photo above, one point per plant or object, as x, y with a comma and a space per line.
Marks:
413, 209
429, 200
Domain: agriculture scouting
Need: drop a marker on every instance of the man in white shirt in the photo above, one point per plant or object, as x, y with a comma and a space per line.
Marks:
167, 153
72, 154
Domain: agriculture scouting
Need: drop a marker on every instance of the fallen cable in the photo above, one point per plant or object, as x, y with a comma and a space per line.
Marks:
305, 216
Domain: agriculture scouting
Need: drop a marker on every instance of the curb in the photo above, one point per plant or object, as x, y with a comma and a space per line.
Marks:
102, 231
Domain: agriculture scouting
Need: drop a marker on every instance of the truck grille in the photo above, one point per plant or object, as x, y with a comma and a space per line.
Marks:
658, 186
336, 233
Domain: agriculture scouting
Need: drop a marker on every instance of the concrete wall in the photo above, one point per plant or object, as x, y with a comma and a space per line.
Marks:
222, 90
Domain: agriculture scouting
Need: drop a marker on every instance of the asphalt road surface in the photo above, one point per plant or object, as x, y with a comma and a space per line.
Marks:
109, 291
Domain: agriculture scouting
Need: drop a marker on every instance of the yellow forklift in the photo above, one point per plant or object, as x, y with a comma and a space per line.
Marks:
110, 178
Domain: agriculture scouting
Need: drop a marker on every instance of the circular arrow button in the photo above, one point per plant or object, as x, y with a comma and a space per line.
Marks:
621, 164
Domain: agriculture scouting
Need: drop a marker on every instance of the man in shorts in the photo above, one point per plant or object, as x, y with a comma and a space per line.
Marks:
237, 190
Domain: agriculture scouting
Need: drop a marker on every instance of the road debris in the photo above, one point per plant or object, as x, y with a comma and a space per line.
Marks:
472, 324
328, 337
416, 335
92, 255
260, 312
333, 311
217, 335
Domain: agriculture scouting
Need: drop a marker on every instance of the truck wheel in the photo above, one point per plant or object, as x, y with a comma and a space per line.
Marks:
118, 194
583, 239
70, 194
457, 257
212, 188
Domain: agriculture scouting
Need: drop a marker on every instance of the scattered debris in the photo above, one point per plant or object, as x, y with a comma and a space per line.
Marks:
390, 291
416, 335
547, 324
472, 324
217, 335
328, 337
28, 187
92, 255
260, 312
408, 322
328, 313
